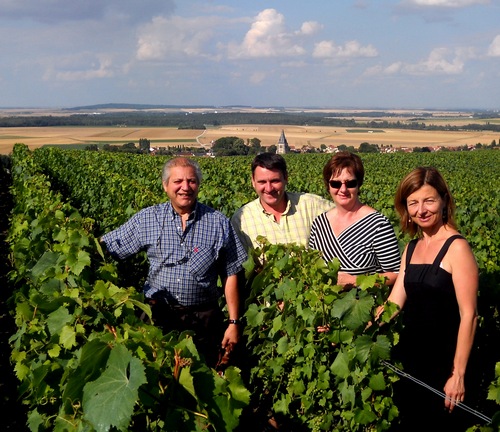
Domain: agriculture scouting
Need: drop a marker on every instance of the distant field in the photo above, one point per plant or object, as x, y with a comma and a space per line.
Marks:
297, 136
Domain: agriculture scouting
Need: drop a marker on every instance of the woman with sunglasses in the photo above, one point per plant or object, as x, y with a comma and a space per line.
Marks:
437, 287
360, 237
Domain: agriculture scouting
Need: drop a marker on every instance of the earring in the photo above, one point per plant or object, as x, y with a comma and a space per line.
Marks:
409, 220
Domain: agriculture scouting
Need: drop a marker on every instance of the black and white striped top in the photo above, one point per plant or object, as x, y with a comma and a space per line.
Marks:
368, 246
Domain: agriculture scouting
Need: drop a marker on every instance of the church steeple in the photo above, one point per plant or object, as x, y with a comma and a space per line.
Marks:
282, 146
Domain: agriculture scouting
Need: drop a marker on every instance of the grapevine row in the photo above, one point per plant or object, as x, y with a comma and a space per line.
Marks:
84, 358
341, 391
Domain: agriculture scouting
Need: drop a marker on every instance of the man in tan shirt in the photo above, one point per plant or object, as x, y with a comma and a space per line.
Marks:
278, 215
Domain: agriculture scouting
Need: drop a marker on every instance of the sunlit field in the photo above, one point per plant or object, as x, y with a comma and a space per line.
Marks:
297, 136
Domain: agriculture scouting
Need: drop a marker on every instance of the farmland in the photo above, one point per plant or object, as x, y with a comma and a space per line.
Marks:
297, 136
199, 127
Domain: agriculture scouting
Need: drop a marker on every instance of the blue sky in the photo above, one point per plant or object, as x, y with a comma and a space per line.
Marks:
442, 54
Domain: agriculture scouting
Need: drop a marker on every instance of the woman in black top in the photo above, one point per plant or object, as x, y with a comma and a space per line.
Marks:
437, 287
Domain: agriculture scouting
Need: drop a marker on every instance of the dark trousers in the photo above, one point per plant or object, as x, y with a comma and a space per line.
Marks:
206, 321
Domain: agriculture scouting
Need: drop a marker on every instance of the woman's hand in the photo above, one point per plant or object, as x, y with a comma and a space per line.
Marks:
454, 390
346, 279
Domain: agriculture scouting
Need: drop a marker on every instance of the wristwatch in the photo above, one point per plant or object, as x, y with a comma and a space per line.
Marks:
234, 321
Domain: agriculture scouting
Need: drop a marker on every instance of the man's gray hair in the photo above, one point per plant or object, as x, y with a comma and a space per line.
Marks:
180, 162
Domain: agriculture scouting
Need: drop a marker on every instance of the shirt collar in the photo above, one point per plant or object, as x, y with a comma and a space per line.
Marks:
173, 214
287, 208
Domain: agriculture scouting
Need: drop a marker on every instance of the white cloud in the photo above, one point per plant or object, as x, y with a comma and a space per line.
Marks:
268, 37
166, 37
101, 70
436, 64
447, 3
393, 68
328, 49
310, 27
257, 77
494, 48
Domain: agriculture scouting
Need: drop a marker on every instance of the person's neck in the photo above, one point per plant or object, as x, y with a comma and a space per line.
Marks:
349, 211
184, 214
276, 210
434, 233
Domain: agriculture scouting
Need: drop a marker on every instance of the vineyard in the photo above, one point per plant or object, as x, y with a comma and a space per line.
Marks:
86, 361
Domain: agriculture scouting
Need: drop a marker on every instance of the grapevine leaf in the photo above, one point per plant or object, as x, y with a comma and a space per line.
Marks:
255, 317
281, 405
367, 281
21, 371
363, 346
54, 351
494, 393
281, 263
298, 387
58, 319
68, 337
79, 262
223, 398
340, 366
347, 393
35, 420
353, 311
110, 399
381, 348
282, 345
186, 380
277, 323
98, 247
367, 349
236, 386
48, 260
93, 359
78, 239
365, 416
249, 266
377, 382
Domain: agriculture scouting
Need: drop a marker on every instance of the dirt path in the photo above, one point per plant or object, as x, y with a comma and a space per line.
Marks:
13, 415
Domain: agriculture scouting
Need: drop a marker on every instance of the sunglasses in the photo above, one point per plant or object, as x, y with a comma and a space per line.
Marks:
337, 184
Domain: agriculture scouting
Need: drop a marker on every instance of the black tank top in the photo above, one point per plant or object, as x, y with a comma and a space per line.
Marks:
430, 317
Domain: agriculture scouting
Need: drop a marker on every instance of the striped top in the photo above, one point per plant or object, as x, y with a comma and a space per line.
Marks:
368, 246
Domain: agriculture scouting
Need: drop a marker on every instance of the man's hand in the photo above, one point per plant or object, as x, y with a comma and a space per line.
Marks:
231, 335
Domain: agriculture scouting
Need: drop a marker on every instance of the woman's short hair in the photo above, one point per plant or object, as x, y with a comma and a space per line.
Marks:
180, 162
412, 182
341, 160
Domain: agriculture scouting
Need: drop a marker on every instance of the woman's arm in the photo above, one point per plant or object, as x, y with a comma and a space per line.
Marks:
398, 293
387, 252
464, 270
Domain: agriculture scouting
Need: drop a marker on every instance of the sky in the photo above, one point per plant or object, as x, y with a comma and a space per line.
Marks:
391, 54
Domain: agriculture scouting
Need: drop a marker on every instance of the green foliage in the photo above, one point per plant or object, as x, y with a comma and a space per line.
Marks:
84, 358
368, 148
107, 188
230, 146
312, 379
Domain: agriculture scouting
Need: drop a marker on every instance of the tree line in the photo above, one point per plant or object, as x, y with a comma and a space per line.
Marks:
182, 120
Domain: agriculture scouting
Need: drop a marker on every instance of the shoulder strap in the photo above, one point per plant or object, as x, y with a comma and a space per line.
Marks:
444, 249
409, 250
